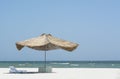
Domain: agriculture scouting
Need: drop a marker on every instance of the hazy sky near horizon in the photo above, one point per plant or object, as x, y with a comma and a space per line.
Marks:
93, 24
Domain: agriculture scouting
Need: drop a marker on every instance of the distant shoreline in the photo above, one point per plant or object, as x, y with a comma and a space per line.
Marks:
70, 61
62, 64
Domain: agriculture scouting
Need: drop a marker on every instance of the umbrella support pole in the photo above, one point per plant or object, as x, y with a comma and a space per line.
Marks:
45, 61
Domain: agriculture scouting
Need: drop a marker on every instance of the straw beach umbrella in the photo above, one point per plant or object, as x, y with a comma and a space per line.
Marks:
46, 42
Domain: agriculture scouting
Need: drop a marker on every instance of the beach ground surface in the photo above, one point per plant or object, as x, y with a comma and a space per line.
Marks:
63, 73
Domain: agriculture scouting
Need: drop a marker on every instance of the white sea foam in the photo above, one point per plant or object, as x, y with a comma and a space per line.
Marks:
21, 64
74, 64
60, 63
113, 64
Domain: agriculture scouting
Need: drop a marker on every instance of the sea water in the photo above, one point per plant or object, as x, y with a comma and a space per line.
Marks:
61, 64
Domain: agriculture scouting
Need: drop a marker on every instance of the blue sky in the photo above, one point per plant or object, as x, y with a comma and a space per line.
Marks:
93, 24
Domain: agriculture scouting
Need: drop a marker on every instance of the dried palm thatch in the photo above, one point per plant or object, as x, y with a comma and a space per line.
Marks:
47, 42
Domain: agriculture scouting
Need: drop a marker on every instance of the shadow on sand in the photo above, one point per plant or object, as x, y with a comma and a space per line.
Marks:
29, 73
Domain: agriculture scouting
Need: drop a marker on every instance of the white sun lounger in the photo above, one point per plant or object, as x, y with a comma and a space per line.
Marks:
14, 70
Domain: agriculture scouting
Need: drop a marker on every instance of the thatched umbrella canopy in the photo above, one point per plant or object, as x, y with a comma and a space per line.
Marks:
47, 42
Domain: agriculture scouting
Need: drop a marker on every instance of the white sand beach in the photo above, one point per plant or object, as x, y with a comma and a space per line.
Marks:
64, 73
